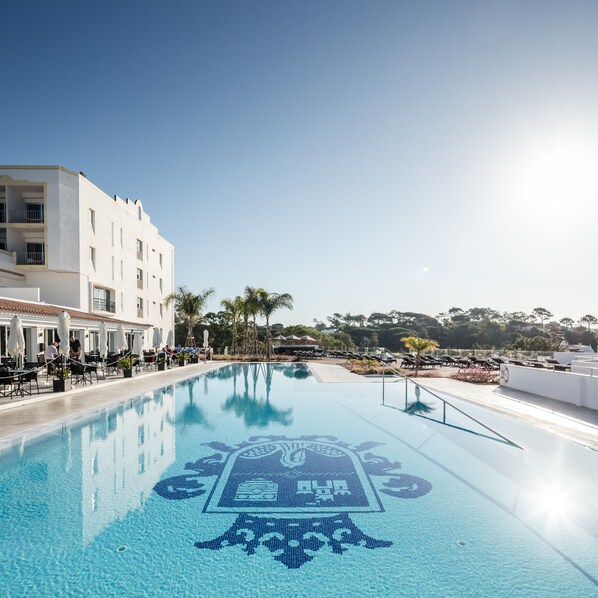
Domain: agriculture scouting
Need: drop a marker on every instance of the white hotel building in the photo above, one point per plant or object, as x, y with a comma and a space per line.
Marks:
64, 243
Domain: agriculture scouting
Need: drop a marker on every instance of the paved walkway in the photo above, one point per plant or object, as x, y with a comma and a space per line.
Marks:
576, 423
49, 409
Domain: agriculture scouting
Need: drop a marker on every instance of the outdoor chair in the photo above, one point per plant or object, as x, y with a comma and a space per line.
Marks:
29, 378
83, 372
7, 382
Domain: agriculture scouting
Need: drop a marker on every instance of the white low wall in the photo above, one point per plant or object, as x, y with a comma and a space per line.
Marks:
577, 389
566, 357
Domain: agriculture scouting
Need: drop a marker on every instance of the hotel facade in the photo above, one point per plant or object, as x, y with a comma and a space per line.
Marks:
64, 243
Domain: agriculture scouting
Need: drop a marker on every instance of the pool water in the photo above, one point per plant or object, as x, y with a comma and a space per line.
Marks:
255, 479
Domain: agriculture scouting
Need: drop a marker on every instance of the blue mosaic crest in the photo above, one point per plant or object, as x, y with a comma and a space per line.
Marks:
293, 496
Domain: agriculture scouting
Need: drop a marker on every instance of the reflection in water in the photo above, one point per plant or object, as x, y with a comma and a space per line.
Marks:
297, 370
192, 414
289, 370
123, 454
256, 412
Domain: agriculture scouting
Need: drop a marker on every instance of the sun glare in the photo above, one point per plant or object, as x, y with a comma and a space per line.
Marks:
555, 502
547, 178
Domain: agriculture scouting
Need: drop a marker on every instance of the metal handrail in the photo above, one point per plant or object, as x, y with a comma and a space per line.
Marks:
31, 258
26, 216
444, 404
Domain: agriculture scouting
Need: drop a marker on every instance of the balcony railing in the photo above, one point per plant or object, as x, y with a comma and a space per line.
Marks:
140, 255
26, 216
31, 258
139, 283
104, 305
140, 312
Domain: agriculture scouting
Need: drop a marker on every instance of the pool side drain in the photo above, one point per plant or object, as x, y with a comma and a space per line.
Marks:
121, 549
462, 543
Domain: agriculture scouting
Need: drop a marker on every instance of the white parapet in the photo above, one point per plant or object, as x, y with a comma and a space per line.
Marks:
574, 388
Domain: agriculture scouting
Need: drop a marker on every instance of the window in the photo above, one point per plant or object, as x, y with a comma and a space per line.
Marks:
161, 310
92, 219
139, 212
103, 300
160, 259
160, 285
139, 249
34, 255
122, 301
121, 237
112, 267
139, 278
112, 234
139, 307
34, 213
2, 212
92, 256
122, 270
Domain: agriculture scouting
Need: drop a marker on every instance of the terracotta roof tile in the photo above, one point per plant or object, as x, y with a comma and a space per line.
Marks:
44, 309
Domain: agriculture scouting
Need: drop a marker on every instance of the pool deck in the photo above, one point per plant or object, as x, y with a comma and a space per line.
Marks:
44, 411
575, 423
47, 410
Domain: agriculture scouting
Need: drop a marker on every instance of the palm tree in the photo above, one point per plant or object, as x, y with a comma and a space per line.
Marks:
419, 345
188, 308
233, 308
269, 303
252, 306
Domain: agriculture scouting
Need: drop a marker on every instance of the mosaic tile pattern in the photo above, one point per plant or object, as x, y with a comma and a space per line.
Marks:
267, 479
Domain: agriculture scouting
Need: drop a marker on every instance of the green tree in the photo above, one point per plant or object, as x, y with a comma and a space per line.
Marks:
188, 308
588, 319
252, 308
542, 314
566, 322
419, 345
233, 308
269, 303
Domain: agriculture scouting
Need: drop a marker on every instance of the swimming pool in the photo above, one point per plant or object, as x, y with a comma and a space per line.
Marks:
255, 479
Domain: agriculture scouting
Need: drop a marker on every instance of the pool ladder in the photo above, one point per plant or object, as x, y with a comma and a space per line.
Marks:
445, 403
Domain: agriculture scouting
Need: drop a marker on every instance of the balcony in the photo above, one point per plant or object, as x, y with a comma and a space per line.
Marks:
140, 255
31, 258
29, 216
139, 283
140, 312
104, 305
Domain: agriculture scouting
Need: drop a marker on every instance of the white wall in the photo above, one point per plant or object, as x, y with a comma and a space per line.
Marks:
70, 277
577, 389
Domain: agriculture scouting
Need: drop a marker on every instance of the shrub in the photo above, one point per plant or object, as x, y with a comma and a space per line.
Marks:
477, 376
126, 363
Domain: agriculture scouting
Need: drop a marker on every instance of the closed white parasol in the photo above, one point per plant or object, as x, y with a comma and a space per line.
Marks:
16, 339
170, 338
64, 326
206, 335
138, 343
120, 339
103, 346
156, 338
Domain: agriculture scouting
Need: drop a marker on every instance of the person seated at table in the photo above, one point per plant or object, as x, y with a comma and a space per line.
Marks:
75, 347
51, 352
165, 353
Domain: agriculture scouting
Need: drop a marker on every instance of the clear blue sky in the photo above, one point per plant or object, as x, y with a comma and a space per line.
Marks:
363, 156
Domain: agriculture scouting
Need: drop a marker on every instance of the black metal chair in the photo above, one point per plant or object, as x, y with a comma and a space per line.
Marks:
28, 378
7, 382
